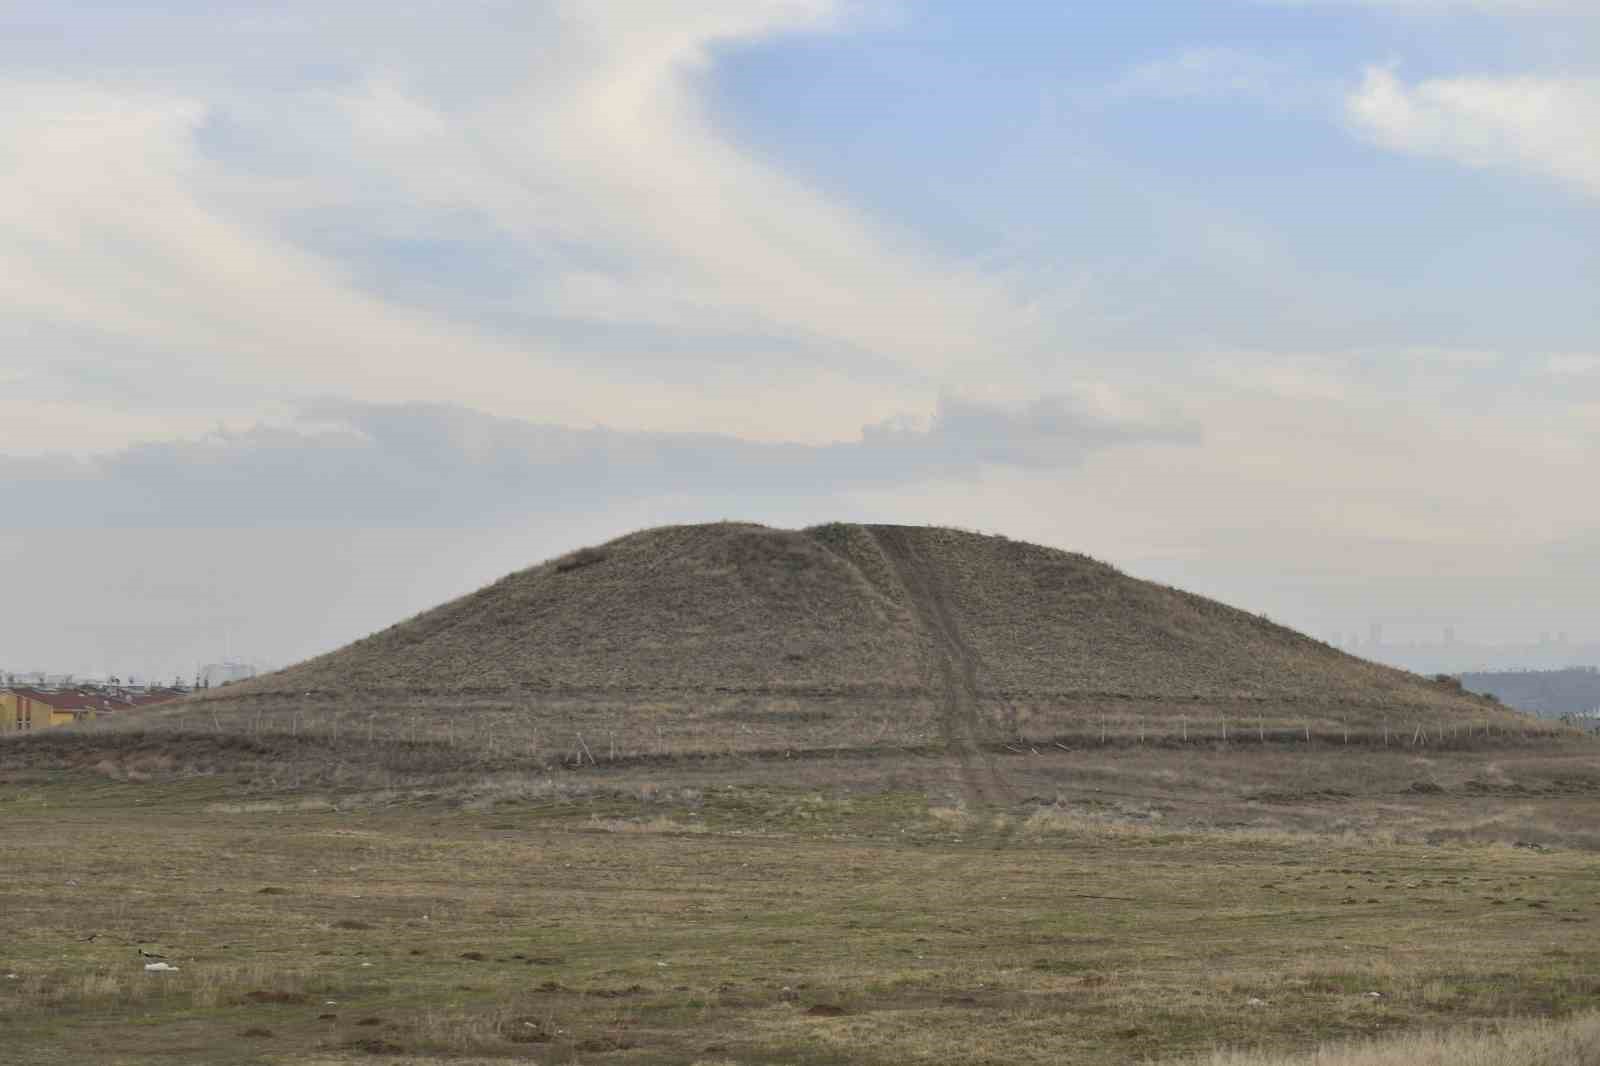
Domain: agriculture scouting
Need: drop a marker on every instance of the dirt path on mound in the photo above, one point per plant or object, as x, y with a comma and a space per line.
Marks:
961, 717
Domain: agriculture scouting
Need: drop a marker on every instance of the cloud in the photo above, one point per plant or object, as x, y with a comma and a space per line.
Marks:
1544, 126
562, 224
430, 465
300, 536
118, 255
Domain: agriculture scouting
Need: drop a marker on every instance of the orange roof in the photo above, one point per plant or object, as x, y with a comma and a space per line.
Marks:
64, 700
92, 700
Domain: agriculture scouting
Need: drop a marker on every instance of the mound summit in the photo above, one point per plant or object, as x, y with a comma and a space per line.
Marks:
739, 637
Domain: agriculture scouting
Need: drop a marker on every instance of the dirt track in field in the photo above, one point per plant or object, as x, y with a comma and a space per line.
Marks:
961, 717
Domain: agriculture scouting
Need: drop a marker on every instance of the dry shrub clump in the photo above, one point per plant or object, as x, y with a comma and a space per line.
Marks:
138, 766
1574, 1042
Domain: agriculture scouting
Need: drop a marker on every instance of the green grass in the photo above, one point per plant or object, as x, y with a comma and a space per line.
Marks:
683, 918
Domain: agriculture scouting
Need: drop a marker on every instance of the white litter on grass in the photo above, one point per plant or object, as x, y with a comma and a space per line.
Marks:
1254, 1002
160, 967
12, 977
1373, 995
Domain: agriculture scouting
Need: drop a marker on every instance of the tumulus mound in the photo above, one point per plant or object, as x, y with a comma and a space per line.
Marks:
737, 637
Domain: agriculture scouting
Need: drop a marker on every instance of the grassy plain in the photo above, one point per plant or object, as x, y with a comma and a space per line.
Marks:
1121, 906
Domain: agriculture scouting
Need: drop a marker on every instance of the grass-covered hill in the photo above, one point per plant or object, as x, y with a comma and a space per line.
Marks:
737, 636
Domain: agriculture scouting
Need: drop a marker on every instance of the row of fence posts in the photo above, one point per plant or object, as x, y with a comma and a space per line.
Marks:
1420, 734
580, 751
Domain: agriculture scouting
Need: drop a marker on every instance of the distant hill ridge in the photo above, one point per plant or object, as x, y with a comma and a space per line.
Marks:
1575, 690
739, 636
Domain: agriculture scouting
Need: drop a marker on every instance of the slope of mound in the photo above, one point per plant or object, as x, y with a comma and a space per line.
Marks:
740, 636
689, 608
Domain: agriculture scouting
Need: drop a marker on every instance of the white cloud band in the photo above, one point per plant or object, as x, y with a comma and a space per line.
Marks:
1549, 127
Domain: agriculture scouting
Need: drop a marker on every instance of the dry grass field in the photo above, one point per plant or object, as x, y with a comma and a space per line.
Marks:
726, 795
1575, 1041
1120, 906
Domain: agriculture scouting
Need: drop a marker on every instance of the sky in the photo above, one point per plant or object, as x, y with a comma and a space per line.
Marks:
313, 315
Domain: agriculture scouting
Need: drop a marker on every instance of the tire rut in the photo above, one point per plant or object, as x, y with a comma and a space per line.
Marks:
961, 716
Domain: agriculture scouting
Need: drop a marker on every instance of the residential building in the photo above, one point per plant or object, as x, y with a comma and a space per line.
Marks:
24, 709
